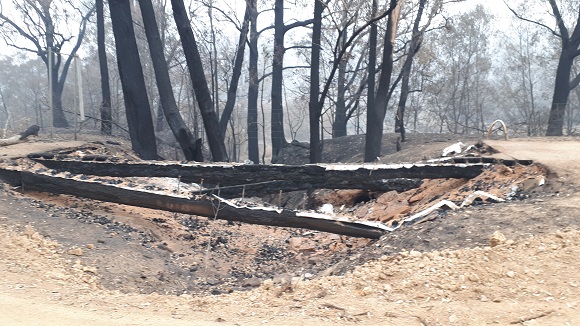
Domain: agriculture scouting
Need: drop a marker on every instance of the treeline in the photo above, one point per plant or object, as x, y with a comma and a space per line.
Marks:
243, 79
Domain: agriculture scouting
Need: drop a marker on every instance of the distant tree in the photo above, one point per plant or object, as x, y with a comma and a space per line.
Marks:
253, 85
570, 49
277, 117
137, 105
459, 83
44, 25
236, 72
105, 109
200, 86
376, 113
315, 151
525, 79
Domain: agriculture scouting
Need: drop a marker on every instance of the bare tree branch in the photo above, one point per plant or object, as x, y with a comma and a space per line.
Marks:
298, 24
261, 79
22, 33
559, 20
532, 21
343, 51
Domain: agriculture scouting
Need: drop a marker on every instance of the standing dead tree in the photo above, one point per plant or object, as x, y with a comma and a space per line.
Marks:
38, 23
315, 109
168, 103
137, 105
376, 114
570, 50
106, 115
200, 86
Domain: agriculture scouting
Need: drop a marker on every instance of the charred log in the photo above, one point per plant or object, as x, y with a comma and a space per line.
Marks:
203, 206
368, 177
31, 131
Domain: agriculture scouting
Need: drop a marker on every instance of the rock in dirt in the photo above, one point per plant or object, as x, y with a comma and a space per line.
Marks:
76, 252
295, 243
282, 279
497, 238
252, 282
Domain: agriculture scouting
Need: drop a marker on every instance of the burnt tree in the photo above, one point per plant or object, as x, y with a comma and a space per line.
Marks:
180, 130
199, 83
315, 143
105, 109
237, 71
277, 118
37, 22
137, 107
376, 113
315, 111
570, 50
414, 46
253, 86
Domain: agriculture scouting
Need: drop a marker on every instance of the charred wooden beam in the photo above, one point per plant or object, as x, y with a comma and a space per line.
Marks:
373, 177
268, 187
209, 206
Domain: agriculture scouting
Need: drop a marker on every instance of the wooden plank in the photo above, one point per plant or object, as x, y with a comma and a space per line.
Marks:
373, 177
206, 206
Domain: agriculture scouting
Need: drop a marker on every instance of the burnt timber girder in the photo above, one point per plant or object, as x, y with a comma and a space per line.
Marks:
232, 179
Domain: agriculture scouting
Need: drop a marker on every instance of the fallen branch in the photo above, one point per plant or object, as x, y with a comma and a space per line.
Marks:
31, 131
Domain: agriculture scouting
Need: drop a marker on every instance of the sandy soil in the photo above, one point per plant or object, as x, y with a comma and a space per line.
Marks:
510, 263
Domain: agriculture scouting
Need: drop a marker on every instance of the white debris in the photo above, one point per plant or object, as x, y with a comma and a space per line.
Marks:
453, 149
423, 213
263, 208
326, 209
470, 147
479, 194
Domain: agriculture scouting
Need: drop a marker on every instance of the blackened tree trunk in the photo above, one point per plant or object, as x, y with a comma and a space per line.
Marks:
277, 117
199, 83
414, 46
237, 71
316, 110
313, 110
562, 85
372, 68
137, 106
106, 116
253, 87
376, 114
174, 119
34, 22
339, 124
